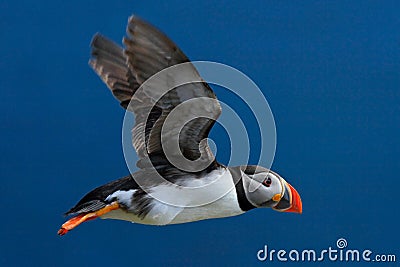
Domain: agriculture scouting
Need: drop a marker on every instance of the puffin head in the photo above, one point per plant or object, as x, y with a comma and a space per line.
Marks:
267, 189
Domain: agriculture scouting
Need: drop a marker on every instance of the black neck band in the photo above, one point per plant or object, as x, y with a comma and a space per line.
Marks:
244, 203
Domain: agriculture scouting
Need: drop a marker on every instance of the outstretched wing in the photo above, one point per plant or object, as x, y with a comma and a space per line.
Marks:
132, 76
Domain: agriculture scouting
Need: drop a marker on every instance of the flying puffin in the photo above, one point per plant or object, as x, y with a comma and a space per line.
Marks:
156, 194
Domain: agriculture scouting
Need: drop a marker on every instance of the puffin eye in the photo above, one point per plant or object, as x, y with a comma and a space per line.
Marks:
267, 182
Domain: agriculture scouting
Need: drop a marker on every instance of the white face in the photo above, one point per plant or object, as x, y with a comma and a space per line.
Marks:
264, 189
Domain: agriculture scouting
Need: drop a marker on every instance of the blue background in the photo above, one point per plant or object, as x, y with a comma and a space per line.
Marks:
331, 74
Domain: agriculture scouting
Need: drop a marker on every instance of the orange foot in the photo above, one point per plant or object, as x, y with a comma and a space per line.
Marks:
75, 221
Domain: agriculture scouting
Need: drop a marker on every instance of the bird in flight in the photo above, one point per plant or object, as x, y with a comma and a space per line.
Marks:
178, 179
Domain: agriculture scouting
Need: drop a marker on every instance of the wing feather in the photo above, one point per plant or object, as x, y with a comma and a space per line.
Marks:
147, 52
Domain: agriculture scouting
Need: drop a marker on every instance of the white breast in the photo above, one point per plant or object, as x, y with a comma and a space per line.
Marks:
225, 204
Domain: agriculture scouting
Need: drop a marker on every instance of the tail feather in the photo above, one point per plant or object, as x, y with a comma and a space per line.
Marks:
96, 199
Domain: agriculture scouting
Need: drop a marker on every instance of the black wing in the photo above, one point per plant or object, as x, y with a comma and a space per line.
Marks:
130, 74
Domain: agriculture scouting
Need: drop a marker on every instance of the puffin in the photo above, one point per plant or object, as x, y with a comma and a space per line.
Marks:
178, 180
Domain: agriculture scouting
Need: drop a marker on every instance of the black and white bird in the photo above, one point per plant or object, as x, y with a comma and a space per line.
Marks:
161, 193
